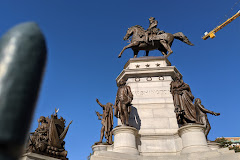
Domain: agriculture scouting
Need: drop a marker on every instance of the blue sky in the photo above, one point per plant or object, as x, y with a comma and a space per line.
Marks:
85, 37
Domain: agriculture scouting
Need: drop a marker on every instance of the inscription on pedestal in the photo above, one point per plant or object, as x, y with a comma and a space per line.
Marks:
150, 93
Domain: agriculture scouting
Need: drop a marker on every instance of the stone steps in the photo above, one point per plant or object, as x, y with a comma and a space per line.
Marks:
220, 154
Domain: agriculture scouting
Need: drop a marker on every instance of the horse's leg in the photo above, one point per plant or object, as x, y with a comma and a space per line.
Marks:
126, 47
163, 52
147, 52
135, 53
167, 47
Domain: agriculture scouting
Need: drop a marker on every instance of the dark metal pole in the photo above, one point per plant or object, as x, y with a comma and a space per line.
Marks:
22, 62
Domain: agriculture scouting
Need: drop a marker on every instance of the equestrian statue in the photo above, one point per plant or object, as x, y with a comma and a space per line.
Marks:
151, 39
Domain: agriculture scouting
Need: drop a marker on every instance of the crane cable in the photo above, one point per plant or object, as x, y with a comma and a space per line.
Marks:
226, 15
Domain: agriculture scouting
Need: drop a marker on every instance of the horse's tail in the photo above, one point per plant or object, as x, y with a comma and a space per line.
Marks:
180, 36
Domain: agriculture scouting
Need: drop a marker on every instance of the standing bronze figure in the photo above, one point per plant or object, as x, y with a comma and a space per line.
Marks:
202, 115
107, 122
48, 138
183, 101
160, 40
123, 102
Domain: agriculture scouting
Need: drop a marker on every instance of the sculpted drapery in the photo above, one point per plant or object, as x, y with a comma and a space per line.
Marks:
183, 101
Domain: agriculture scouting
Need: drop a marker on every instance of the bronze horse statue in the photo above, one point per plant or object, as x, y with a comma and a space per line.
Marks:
162, 42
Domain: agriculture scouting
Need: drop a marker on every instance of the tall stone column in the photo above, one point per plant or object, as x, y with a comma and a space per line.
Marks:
152, 111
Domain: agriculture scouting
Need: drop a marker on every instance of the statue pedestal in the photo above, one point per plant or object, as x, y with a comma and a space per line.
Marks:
152, 110
193, 138
157, 135
35, 156
125, 140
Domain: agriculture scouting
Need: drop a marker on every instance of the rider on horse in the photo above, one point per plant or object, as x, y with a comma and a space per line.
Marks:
152, 29
160, 40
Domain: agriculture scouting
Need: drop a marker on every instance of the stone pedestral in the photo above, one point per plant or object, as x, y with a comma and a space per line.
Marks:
152, 114
152, 111
193, 138
125, 140
101, 147
213, 145
35, 156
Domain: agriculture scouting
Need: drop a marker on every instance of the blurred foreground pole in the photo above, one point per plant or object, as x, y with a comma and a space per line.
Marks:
22, 62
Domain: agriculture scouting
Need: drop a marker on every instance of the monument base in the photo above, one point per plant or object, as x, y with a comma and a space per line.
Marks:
219, 154
35, 156
158, 136
125, 140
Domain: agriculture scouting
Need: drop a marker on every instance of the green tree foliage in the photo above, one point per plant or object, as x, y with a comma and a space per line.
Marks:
235, 148
226, 143
223, 142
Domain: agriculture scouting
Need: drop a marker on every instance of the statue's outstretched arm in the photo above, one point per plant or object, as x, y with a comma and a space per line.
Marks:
204, 109
99, 103
99, 115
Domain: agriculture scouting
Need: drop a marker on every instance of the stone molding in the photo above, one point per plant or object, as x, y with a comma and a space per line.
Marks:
35, 156
148, 72
147, 59
158, 136
191, 128
147, 67
125, 129
213, 145
99, 147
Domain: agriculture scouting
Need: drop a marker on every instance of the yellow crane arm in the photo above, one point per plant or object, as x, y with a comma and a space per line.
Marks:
211, 34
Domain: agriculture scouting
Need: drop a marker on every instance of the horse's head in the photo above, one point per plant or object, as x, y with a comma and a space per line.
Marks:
135, 31
128, 34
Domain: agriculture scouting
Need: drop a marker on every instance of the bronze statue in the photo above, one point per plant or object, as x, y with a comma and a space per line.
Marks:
201, 113
123, 102
152, 29
107, 122
183, 101
48, 138
160, 40
23, 55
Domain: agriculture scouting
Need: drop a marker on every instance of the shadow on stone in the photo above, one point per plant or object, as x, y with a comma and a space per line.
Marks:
135, 120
